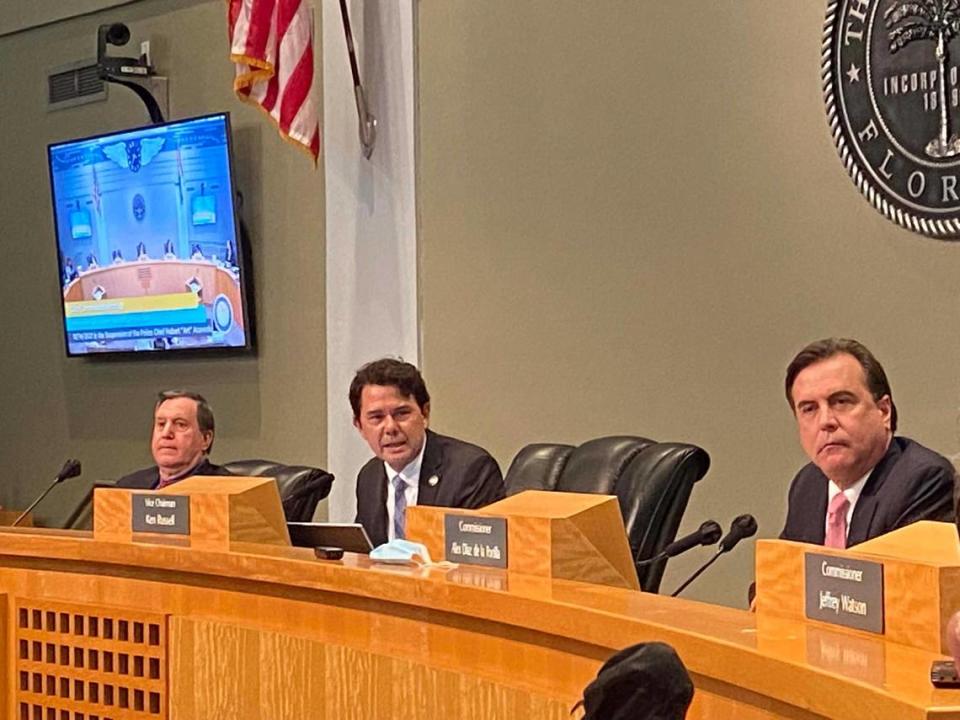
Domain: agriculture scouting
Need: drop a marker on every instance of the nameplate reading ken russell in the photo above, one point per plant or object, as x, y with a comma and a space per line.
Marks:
161, 514
844, 591
475, 540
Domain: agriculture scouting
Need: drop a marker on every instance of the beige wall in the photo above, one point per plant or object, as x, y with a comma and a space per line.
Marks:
632, 215
271, 405
21, 14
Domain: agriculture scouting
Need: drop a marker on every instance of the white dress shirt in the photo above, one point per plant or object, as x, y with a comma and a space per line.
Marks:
411, 476
852, 493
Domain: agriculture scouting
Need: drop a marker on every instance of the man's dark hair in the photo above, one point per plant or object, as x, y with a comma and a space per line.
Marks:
204, 411
391, 373
647, 681
829, 347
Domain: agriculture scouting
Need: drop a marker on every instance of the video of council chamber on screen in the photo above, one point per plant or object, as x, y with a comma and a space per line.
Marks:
148, 240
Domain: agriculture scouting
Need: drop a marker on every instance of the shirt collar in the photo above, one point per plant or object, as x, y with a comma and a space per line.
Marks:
852, 492
410, 473
186, 473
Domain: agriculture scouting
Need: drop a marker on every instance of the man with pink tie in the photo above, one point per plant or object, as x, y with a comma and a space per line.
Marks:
863, 480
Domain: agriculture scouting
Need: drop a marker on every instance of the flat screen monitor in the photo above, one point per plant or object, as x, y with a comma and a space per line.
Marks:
150, 253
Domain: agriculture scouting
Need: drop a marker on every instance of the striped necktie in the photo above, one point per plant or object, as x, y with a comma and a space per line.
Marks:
399, 507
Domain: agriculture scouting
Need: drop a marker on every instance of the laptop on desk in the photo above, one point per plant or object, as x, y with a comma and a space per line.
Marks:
350, 537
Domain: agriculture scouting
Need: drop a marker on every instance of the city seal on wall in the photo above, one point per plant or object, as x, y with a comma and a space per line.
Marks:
892, 92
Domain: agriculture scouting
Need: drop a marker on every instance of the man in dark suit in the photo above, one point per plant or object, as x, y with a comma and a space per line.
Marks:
183, 428
69, 271
412, 465
862, 481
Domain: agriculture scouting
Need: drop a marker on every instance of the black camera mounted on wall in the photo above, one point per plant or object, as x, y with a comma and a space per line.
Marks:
116, 69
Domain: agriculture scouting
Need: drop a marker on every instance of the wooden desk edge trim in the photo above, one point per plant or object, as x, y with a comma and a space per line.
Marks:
729, 660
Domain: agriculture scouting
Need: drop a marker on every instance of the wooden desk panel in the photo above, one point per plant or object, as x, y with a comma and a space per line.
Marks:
279, 634
921, 580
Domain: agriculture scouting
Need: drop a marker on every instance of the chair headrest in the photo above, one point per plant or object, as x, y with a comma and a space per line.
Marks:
292, 480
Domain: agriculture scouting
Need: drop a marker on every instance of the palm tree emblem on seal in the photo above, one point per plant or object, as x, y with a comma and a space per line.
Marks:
891, 89
937, 20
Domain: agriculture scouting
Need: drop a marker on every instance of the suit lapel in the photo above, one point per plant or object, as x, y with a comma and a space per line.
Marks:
380, 518
866, 507
430, 477
817, 528
862, 519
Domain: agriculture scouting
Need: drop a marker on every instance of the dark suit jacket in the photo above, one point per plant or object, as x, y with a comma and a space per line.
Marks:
910, 483
468, 478
149, 478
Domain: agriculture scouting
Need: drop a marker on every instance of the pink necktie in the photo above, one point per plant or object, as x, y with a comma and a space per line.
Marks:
837, 522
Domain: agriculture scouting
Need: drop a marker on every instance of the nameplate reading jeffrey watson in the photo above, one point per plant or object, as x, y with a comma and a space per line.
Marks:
475, 540
844, 591
161, 513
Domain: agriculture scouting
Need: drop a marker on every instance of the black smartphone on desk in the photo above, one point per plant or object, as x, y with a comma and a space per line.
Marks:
327, 552
943, 674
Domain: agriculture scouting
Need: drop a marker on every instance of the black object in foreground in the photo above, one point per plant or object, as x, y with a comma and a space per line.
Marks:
642, 682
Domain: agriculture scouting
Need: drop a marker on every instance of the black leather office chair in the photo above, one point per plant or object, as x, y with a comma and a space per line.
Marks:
301, 487
537, 467
652, 482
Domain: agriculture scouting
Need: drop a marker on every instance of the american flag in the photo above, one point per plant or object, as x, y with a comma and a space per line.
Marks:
271, 42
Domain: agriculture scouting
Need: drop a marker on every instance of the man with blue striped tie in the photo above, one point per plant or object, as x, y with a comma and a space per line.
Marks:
412, 465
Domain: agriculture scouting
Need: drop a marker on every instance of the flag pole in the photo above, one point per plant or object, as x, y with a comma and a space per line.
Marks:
367, 122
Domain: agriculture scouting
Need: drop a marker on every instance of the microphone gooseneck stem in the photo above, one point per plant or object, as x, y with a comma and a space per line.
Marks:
696, 575
651, 560
35, 503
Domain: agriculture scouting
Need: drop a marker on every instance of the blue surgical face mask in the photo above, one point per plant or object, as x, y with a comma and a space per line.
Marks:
401, 551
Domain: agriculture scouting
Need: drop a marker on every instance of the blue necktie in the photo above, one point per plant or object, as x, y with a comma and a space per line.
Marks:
399, 508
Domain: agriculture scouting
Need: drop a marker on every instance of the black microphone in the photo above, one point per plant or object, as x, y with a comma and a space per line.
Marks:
707, 534
70, 469
743, 526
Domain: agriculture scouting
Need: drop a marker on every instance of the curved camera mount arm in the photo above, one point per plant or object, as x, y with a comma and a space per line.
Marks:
153, 109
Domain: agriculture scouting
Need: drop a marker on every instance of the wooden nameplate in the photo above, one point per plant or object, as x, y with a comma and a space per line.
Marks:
222, 511
571, 536
921, 580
